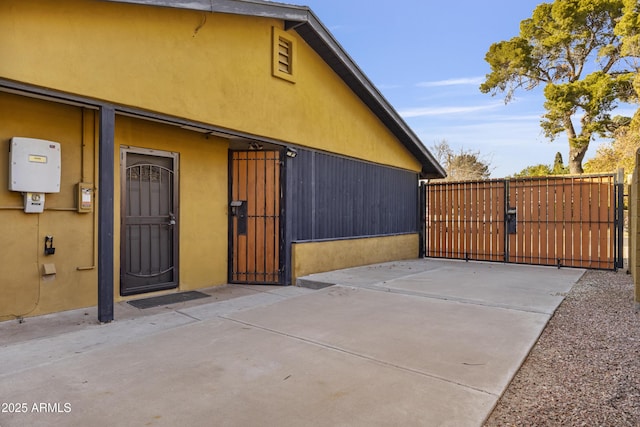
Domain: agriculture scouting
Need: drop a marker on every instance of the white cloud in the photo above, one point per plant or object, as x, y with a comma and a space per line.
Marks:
453, 82
388, 86
440, 111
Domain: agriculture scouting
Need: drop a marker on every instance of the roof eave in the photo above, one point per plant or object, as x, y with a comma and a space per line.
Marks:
321, 40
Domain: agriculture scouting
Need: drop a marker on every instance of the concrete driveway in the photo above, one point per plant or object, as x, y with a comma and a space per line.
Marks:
423, 342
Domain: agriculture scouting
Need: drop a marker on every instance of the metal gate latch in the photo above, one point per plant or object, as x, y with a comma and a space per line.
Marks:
511, 220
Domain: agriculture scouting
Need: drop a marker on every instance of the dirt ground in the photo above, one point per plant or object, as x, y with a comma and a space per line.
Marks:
585, 368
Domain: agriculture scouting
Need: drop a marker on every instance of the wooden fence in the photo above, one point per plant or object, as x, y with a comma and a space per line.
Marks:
563, 221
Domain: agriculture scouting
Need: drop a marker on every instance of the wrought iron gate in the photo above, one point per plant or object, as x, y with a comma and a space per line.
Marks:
562, 221
149, 212
255, 207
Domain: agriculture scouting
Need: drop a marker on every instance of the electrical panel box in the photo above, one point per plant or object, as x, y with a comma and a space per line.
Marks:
34, 165
84, 197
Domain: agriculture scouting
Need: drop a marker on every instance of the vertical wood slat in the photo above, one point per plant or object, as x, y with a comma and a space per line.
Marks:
455, 217
606, 213
528, 234
483, 214
239, 191
537, 237
612, 213
556, 219
447, 222
533, 212
444, 217
525, 236
466, 189
259, 196
442, 232
567, 218
599, 216
500, 228
480, 215
251, 215
497, 206
450, 223
442, 235
427, 230
432, 232
553, 198
588, 253
522, 235
576, 224
473, 250
574, 218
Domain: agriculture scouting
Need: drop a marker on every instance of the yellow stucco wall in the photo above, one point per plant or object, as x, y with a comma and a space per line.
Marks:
203, 208
24, 291
317, 257
203, 182
213, 68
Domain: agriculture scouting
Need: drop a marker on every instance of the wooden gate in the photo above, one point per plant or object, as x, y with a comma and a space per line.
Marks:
562, 221
255, 218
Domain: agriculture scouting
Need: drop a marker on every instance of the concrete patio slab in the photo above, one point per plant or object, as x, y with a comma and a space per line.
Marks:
470, 345
521, 287
249, 377
425, 342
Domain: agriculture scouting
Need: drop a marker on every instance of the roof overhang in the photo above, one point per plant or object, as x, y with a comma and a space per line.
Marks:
308, 26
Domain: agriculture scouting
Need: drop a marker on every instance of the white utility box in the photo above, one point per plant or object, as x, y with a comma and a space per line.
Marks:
34, 165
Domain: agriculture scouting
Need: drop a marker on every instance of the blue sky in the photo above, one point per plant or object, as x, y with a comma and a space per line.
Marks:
427, 59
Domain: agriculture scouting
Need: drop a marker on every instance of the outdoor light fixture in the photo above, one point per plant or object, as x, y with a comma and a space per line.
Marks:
291, 152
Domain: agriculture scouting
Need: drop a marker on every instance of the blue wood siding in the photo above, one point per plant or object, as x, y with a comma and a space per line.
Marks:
333, 197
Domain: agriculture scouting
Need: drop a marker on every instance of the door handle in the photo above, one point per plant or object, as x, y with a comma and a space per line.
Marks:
239, 210
172, 219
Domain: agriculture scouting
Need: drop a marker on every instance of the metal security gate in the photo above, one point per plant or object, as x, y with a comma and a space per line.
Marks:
149, 212
255, 207
562, 221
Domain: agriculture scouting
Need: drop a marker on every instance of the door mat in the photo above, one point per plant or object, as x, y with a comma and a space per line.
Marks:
167, 299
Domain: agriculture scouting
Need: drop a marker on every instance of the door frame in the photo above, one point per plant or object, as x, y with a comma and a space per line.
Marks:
124, 150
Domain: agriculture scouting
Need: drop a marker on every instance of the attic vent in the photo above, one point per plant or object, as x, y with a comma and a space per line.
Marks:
284, 55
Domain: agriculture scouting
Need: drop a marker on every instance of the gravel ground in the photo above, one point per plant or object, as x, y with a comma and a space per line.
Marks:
585, 368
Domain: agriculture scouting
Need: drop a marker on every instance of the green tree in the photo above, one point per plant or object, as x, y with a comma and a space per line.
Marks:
629, 28
558, 165
621, 153
541, 169
462, 165
536, 170
555, 48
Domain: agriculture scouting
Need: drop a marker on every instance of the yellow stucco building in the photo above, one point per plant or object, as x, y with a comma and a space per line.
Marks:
202, 143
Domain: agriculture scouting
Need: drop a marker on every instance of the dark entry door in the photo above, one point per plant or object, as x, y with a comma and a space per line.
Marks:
148, 252
255, 218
